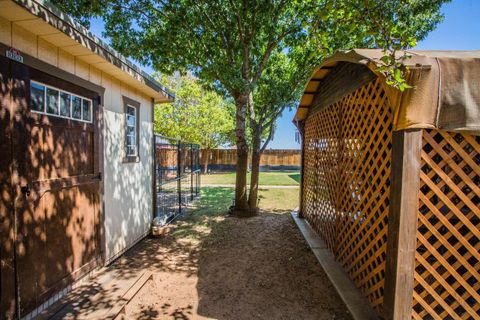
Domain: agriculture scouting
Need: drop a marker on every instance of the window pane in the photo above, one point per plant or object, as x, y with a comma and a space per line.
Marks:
37, 94
130, 130
131, 150
131, 121
65, 104
87, 115
52, 101
76, 107
130, 140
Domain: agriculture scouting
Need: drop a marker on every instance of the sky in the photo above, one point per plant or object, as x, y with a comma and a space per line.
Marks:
460, 30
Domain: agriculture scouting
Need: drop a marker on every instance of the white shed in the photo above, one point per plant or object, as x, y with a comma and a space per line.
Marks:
76, 167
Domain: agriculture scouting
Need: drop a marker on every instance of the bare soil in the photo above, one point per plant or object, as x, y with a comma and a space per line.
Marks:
220, 267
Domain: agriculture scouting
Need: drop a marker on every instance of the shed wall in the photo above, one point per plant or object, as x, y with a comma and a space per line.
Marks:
127, 186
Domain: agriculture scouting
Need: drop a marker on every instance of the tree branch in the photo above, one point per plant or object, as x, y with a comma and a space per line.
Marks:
269, 51
270, 136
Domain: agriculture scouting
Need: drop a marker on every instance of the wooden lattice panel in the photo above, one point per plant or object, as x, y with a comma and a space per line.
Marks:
346, 183
447, 273
364, 189
320, 172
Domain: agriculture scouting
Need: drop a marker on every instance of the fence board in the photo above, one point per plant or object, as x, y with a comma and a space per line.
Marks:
274, 157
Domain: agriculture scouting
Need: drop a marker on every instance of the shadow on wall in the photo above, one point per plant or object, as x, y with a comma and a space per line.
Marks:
58, 220
128, 194
128, 215
151, 254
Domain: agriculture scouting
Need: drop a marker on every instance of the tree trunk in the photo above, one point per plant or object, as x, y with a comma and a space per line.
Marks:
206, 160
241, 103
255, 174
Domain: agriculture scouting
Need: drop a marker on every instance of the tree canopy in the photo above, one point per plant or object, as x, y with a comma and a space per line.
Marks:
197, 115
230, 42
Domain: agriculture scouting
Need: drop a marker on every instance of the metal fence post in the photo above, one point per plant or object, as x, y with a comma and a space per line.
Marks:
199, 170
179, 176
192, 173
170, 166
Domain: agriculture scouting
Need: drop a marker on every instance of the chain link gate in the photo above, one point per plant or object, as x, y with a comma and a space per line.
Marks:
177, 177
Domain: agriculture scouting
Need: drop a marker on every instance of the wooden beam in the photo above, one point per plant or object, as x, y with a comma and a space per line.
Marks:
402, 224
301, 129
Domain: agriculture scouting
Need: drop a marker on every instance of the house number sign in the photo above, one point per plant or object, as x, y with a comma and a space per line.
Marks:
14, 54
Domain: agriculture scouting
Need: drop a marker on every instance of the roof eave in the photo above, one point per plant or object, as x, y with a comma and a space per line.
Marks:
66, 24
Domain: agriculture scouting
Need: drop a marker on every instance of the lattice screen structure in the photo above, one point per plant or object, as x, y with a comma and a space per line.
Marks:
447, 277
320, 191
347, 183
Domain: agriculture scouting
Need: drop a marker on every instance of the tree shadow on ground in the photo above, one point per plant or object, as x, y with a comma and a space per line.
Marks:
217, 266
263, 269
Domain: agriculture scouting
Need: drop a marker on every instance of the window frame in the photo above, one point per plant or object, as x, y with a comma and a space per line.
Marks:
58, 115
129, 103
134, 126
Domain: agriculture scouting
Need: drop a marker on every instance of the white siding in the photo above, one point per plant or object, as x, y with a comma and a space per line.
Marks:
128, 193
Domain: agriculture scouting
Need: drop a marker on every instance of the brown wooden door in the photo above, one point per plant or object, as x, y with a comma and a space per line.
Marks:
55, 177
7, 261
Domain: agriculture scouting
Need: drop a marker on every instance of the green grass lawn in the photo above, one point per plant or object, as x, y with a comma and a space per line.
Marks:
208, 214
218, 200
278, 199
266, 178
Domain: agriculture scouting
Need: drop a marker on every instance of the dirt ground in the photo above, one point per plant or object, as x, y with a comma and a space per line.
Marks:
220, 267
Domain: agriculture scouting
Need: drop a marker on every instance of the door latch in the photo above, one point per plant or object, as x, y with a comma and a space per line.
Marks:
25, 190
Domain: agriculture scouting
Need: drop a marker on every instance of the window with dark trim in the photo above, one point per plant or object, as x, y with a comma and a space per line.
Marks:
52, 101
131, 109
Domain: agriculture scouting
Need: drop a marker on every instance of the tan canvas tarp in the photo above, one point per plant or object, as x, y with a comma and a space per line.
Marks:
445, 93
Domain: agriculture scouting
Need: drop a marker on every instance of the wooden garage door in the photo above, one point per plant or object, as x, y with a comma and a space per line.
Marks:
55, 181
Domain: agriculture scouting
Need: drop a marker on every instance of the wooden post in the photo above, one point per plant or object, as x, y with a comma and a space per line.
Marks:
301, 129
402, 224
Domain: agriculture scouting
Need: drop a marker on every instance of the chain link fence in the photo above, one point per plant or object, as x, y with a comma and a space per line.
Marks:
177, 177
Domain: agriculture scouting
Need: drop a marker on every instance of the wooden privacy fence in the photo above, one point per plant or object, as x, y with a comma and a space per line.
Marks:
226, 159
398, 210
